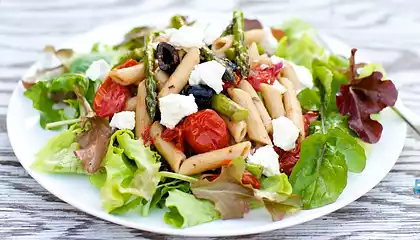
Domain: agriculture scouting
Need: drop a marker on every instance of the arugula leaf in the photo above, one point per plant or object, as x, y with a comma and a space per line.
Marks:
321, 173
309, 99
57, 155
185, 210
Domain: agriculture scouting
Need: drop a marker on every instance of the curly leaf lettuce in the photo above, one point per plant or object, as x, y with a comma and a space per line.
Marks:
185, 210
123, 179
57, 156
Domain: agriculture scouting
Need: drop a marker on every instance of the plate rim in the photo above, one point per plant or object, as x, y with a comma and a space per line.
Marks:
173, 231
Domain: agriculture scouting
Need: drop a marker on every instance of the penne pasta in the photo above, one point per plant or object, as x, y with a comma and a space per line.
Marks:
273, 100
130, 75
222, 44
236, 129
292, 106
262, 111
161, 78
288, 72
143, 120
255, 127
214, 159
179, 78
172, 155
253, 36
253, 54
131, 104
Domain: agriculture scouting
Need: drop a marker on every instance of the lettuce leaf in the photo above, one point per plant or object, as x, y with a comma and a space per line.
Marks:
125, 180
82, 62
278, 183
57, 156
185, 210
146, 177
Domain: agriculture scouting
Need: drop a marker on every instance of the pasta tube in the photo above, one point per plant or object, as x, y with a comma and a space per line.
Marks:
255, 127
161, 78
273, 100
253, 53
236, 129
180, 77
288, 72
214, 159
292, 106
130, 75
221, 45
262, 111
143, 120
173, 155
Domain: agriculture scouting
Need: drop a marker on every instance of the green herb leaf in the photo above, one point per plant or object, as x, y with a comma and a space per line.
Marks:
321, 173
309, 99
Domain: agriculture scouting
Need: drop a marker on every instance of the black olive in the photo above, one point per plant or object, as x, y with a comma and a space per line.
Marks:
201, 93
167, 56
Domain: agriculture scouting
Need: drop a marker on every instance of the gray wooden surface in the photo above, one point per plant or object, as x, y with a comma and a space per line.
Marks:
387, 30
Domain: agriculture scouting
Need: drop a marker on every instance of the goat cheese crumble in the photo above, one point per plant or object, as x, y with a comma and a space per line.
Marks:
174, 107
268, 159
98, 70
208, 73
123, 120
285, 133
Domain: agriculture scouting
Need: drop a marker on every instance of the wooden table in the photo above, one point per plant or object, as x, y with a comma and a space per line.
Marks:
387, 30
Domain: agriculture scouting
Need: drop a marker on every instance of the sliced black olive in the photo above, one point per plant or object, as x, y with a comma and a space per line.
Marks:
167, 56
201, 93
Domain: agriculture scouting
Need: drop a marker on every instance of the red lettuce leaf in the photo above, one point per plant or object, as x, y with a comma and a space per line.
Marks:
363, 97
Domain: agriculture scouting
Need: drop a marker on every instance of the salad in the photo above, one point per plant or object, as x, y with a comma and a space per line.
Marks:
209, 121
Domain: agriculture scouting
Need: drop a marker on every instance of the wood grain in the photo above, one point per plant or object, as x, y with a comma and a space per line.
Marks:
388, 31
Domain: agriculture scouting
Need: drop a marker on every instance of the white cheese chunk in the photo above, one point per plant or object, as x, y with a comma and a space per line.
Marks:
269, 42
303, 74
174, 107
212, 32
123, 120
268, 159
285, 133
98, 70
208, 73
187, 37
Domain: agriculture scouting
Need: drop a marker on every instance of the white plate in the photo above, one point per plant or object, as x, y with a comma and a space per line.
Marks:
27, 137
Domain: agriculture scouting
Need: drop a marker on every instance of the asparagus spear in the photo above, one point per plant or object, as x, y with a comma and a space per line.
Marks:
228, 108
238, 43
228, 30
208, 55
149, 60
178, 21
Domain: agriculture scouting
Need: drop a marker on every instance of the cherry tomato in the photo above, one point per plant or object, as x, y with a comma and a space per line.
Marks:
248, 178
175, 135
205, 131
111, 97
259, 75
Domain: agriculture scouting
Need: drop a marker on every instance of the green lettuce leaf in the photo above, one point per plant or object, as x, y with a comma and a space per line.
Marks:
123, 179
82, 62
57, 156
146, 177
185, 210
67, 81
41, 102
278, 183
